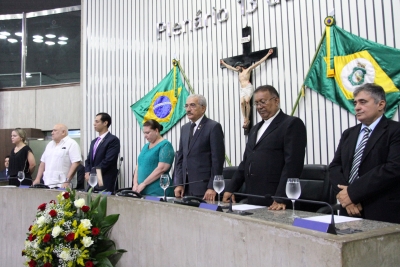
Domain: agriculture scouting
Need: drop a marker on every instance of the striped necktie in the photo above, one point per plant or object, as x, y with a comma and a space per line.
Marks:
358, 155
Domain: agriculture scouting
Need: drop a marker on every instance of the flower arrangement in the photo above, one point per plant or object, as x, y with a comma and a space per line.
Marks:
72, 232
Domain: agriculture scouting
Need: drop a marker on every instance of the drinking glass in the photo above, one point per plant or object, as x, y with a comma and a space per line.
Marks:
21, 177
219, 185
164, 183
293, 190
93, 180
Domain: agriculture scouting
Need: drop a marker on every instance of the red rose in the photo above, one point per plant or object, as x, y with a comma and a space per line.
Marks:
30, 228
53, 201
70, 237
53, 213
85, 208
42, 207
89, 264
31, 237
32, 263
46, 238
95, 231
66, 195
47, 264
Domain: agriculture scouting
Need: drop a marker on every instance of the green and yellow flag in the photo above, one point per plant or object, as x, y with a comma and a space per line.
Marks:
345, 61
164, 103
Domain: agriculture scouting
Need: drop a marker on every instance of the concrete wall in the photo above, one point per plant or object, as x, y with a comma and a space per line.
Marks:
164, 234
41, 107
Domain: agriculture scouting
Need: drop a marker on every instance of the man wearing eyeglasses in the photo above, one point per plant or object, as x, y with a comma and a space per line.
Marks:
274, 152
201, 152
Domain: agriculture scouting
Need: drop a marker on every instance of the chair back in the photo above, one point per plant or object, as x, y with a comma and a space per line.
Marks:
315, 185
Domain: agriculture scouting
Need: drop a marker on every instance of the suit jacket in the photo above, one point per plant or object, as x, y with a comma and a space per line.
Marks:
378, 185
278, 155
203, 159
106, 158
3, 175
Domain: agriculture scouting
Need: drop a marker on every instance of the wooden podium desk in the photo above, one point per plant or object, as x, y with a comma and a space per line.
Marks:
167, 234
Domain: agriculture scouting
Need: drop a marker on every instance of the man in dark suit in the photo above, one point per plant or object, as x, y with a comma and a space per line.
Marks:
274, 152
201, 152
365, 172
103, 153
4, 173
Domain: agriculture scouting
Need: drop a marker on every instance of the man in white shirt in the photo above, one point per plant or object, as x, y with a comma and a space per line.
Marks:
60, 160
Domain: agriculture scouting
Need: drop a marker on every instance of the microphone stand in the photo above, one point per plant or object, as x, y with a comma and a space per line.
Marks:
121, 159
331, 228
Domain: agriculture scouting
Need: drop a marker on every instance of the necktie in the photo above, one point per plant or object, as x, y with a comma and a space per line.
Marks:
95, 146
358, 155
191, 132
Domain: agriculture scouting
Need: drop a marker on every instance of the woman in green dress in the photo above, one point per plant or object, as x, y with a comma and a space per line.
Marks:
155, 158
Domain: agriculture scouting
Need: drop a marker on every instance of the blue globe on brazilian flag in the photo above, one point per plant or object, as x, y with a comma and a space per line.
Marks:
345, 61
164, 103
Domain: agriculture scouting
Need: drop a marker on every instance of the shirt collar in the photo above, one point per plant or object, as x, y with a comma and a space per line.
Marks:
103, 135
372, 126
273, 117
199, 120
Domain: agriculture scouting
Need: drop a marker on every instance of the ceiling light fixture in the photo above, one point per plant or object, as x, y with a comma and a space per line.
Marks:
62, 42
50, 35
3, 37
49, 43
37, 36
63, 38
12, 40
38, 40
18, 34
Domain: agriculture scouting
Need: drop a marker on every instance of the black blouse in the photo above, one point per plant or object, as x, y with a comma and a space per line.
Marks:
19, 162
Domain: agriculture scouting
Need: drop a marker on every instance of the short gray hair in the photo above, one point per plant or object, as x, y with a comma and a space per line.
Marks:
376, 91
202, 100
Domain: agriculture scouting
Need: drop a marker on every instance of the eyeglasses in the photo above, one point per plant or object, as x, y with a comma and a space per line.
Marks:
262, 103
191, 106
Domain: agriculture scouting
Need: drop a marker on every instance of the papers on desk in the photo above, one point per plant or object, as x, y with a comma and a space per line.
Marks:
246, 207
327, 219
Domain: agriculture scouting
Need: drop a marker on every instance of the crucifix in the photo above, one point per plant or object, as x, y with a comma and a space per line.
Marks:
244, 65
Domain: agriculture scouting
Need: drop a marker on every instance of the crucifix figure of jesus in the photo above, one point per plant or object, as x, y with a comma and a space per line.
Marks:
246, 88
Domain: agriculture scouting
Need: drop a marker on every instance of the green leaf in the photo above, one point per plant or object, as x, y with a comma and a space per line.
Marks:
103, 262
117, 256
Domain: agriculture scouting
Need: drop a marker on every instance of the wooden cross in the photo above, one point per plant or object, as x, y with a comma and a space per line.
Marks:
248, 58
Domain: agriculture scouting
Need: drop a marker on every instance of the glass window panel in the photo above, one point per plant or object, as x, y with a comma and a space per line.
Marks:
10, 53
53, 49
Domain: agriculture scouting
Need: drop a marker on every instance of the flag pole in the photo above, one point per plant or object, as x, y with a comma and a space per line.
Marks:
302, 89
177, 63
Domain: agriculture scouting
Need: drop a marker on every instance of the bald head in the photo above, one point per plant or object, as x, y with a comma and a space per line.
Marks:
59, 132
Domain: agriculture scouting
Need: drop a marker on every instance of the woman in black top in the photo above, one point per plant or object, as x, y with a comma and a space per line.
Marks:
21, 158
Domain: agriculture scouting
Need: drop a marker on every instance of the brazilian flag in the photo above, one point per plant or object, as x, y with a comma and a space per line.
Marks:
164, 103
345, 61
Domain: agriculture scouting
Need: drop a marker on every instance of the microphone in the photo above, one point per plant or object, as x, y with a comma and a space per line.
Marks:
194, 182
318, 226
240, 212
121, 159
47, 186
331, 227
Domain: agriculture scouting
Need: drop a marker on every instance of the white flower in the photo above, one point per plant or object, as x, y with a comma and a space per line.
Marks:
56, 231
41, 220
79, 203
65, 255
87, 241
86, 223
